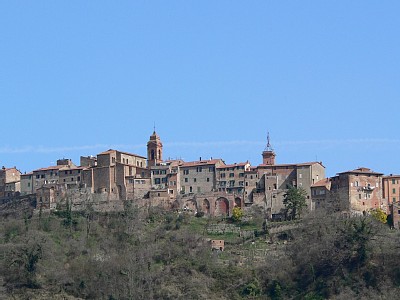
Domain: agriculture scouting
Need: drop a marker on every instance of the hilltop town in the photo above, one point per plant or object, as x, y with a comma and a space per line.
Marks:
209, 186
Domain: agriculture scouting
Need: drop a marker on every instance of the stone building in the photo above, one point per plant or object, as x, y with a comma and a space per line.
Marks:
9, 181
46, 198
320, 194
394, 210
70, 176
137, 188
276, 179
27, 185
251, 181
231, 178
390, 190
50, 176
113, 171
199, 176
166, 176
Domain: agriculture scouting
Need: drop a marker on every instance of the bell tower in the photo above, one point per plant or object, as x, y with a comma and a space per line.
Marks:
268, 154
154, 150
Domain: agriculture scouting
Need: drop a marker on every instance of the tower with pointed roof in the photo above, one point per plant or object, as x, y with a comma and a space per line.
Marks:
154, 150
268, 154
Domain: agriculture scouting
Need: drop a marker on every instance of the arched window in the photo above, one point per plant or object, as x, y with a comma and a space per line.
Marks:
152, 154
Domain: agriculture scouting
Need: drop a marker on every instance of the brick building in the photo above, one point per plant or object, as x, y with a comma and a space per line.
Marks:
390, 190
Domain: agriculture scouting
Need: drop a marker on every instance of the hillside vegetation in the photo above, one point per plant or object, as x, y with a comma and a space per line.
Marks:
153, 254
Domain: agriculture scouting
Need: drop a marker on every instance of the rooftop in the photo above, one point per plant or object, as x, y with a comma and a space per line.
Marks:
109, 151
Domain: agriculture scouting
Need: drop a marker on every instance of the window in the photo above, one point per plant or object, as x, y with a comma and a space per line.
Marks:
393, 181
394, 191
190, 189
29, 184
72, 179
359, 196
186, 180
231, 174
222, 175
194, 180
186, 172
356, 183
113, 159
164, 180
157, 181
394, 200
241, 174
199, 169
211, 169
208, 179
66, 172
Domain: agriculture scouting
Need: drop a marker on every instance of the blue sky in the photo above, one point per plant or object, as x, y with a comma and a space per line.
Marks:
80, 77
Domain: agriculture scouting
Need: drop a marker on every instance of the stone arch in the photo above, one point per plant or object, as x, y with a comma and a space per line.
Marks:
238, 202
205, 206
222, 207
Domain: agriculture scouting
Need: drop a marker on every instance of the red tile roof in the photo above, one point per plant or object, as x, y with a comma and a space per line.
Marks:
292, 165
49, 168
109, 151
324, 182
362, 171
242, 164
202, 163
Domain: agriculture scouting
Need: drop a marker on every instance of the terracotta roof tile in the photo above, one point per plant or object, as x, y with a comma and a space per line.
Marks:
109, 151
293, 165
242, 164
202, 163
324, 182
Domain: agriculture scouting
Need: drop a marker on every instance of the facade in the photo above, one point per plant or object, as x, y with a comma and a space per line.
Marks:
70, 176
199, 176
320, 194
251, 184
9, 181
27, 184
166, 176
358, 190
390, 190
394, 209
137, 188
276, 179
46, 197
231, 178
112, 173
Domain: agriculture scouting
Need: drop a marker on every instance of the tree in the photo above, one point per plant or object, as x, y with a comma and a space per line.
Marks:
379, 215
295, 202
237, 214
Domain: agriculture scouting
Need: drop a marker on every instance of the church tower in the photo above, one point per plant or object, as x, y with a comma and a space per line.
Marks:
268, 154
154, 150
